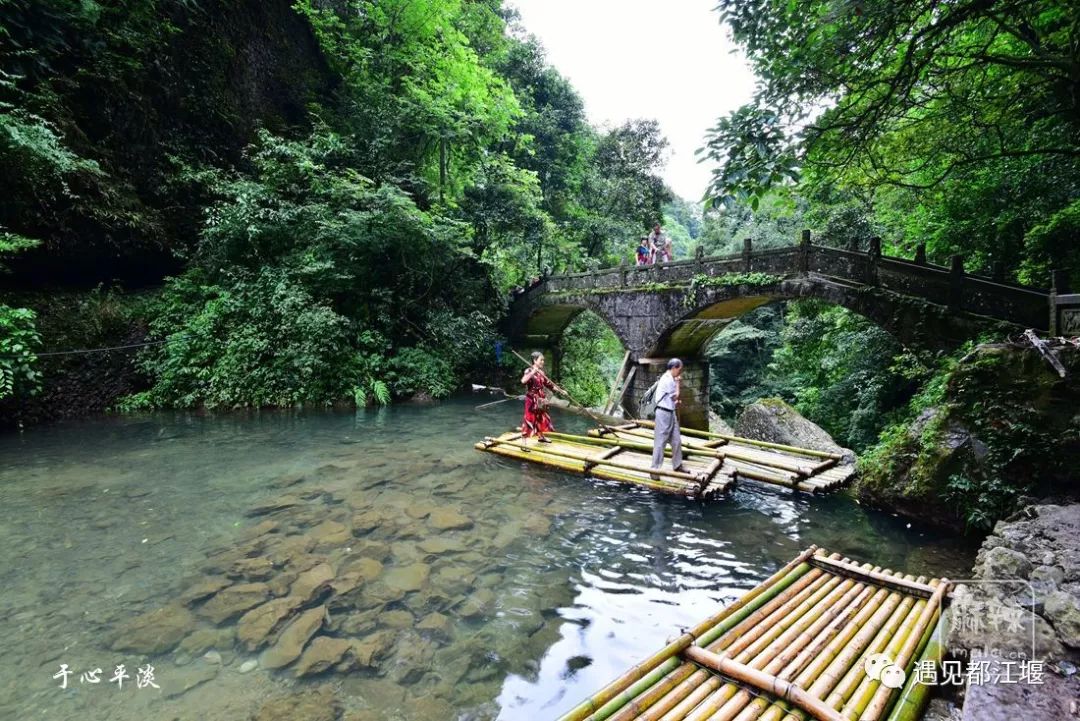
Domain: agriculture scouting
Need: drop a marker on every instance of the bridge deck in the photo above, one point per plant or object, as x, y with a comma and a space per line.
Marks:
823, 638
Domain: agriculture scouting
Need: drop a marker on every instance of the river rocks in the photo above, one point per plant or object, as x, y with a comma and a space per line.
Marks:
368, 569
435, 623
365, 522
234, 600
274, 505
256, 626
248, 666
407, 578
329, 534
419, 511
321, 654
1049, 535
203, 589
319, 704
156, 631
1060, 609
372, 647
312, 582
440, 545
253, 569
773, 420
181, 680
479, 603
449, 519
396, 619
1001, 563
205, 639
292, 640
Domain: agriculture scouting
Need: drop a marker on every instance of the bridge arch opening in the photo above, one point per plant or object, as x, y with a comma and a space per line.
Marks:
840, 369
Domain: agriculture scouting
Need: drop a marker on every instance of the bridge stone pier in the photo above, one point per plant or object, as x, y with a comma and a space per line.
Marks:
675, 309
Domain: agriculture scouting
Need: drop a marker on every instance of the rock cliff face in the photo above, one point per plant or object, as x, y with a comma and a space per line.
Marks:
1006, 427
1023, 603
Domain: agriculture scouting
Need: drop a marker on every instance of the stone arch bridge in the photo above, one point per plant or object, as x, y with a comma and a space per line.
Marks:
674, 309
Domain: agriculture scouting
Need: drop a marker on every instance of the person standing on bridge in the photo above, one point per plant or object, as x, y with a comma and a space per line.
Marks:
656, 244
667, 422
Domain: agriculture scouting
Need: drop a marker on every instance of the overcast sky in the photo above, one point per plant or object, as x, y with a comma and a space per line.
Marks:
669, 60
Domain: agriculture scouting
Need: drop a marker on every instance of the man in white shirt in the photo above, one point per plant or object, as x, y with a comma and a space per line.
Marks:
667, 423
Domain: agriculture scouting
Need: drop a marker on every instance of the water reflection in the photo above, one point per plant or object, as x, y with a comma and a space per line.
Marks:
547, 589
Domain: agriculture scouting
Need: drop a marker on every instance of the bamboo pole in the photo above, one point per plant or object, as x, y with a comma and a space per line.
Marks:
803, 648
654, 693
547, 450
608, 405
673, 697
849, 569
915, 695
926, 619
864, 691
688, 704
764, 682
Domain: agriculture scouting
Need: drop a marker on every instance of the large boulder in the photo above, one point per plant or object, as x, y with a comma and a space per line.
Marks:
773, 420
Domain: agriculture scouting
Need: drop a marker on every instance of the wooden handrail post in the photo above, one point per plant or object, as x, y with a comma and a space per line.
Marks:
956, 281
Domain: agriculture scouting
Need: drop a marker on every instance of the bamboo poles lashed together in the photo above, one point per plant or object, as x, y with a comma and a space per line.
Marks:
801, 640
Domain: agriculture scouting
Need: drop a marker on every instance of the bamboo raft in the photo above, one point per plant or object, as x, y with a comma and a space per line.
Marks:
714, 461
791, 649
704, 480
801, 469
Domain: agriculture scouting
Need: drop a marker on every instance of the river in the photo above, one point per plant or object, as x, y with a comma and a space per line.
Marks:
464, 585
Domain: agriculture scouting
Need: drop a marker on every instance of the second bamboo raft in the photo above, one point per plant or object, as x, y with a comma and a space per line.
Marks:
804, 644
801, 469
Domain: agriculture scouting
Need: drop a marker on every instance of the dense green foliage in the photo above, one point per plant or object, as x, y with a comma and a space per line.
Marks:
590, 357
836, 368
345, 189
981, 434
951, 124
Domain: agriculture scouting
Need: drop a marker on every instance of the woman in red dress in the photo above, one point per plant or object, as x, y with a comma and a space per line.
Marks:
537, 422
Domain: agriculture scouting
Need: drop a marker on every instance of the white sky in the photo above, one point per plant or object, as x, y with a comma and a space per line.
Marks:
628, 59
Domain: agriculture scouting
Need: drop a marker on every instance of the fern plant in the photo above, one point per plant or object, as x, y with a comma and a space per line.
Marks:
372, 389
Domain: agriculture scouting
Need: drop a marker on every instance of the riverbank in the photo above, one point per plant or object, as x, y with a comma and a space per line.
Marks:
1021, 603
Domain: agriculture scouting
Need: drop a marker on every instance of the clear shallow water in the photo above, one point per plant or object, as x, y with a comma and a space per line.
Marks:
505, 590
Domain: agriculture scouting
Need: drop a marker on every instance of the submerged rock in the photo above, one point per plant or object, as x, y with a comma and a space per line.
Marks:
448, 519
184, 679
291, 642
321, 654
274, 504
319, 704
156, 631
204, 588
205, 639
257, 625
234, 600
407, 578
312, 582
330, 533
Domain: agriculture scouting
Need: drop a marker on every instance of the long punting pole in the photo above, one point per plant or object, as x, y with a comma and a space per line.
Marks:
569, 397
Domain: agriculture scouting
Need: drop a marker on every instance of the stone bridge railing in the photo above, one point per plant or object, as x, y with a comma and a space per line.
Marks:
657, 311
950, 287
